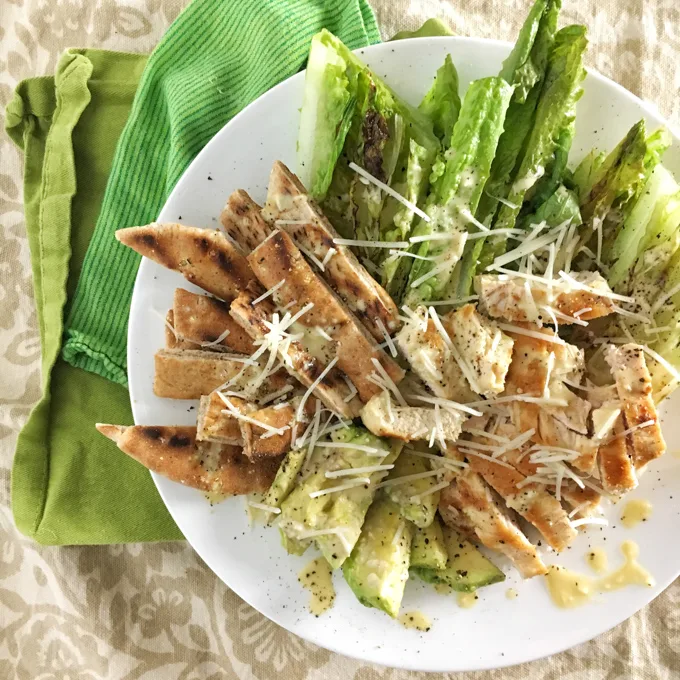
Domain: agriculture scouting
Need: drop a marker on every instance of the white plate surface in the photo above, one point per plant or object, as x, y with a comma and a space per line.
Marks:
497, 631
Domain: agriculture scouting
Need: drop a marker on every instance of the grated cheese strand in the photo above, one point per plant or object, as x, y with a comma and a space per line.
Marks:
341, 487
388, 190
313, 386
267, 293
347, 472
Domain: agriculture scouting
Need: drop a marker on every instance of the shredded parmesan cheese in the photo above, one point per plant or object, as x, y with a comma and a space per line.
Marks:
341, 487
267, 293
391, 192
266, 508
347, 472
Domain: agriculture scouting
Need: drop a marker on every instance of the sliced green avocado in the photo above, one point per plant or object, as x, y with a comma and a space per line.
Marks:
339, 514
421, 512
284, 481
294, 546
377, 569
428, 550
467, 569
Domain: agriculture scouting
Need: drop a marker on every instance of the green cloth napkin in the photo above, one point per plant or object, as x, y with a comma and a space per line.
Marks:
70, 485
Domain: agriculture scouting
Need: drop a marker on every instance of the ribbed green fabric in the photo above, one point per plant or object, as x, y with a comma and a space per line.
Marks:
214, 60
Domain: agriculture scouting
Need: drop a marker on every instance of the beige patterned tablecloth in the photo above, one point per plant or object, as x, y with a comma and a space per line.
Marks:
155, 611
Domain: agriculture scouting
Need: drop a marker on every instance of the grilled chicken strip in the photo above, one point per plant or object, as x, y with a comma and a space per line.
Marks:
277, 262
431, 360
485, 348
615, 461
172, 451
530, 500
189, 374
493, 525
256, 319
203, 320
634, 385
537, 364
293, 210
205, 257
586, 500
515, 299
384, 418
242, 220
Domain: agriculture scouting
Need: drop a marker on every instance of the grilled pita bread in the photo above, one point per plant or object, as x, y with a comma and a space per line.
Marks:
242, 220
172, 451
333, 391
205, 257
172, 338
302, 219
213, 425
278, 262
189, 374
203, 320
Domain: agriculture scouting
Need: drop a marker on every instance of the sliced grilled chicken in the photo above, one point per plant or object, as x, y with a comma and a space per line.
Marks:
385, 418
538, 363
615, 461
634, 385
205, 257
585, 500
204, 320
553, 432
431, 360
290, 208
279, 264
214, 425
174, 452
485, 348
189, 374
530, 500
515, 299
256, 319
242, 220
493, 525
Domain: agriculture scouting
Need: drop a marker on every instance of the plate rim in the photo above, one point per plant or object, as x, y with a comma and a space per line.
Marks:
650, 112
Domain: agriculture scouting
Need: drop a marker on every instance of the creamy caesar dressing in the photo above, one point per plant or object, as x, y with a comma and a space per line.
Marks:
467, 600
597, 560
631, 573
634, 512
415, 620
215, 497
443, 588
570, 589
511, 594
314, 341
317, 577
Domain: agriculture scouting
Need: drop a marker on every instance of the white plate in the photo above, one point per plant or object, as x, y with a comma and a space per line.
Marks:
497, 631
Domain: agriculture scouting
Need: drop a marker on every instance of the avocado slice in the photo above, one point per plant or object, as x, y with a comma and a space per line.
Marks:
467, 569
422, 512
293, 546
377, 569
339, 515
428, 550
283, 483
